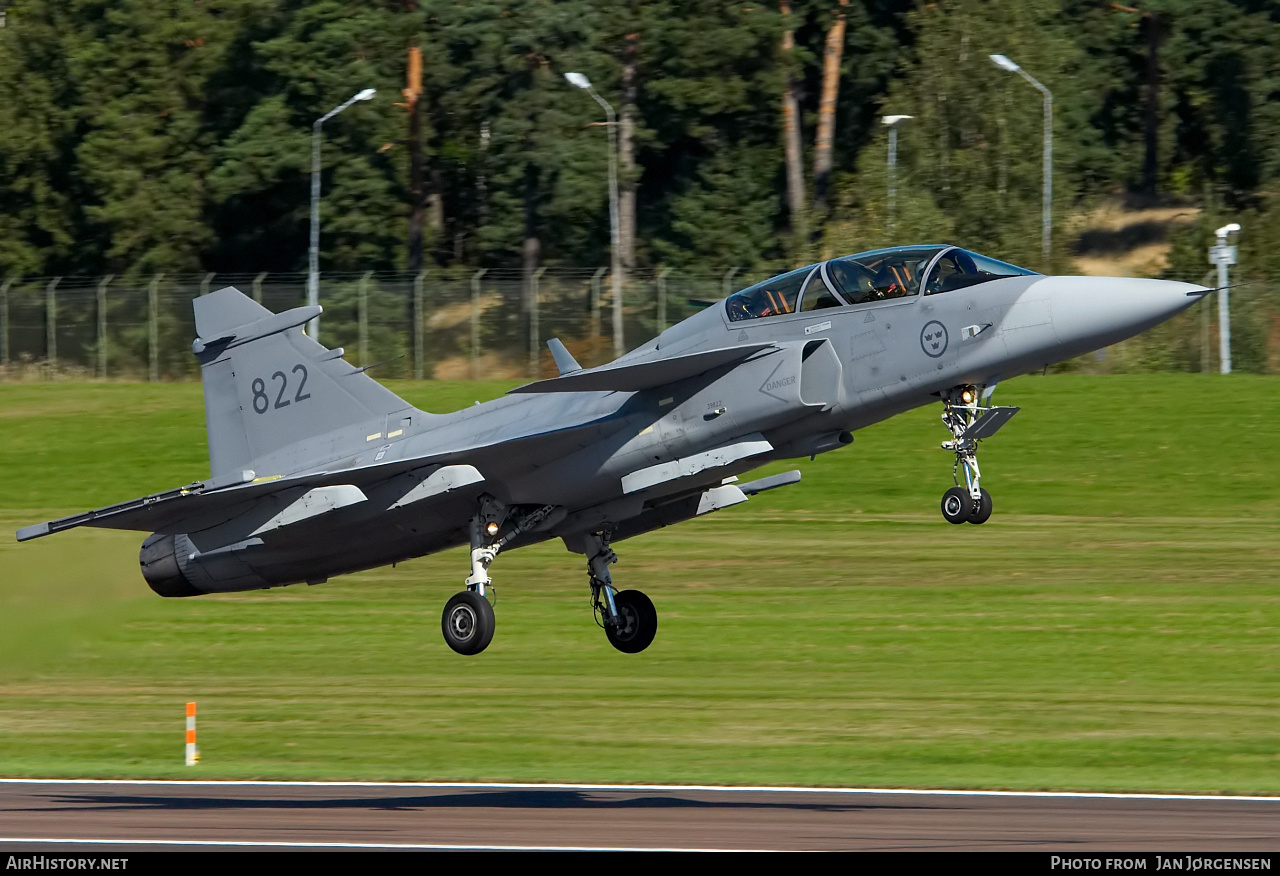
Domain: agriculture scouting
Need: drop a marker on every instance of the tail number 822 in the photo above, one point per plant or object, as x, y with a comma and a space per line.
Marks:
262, 401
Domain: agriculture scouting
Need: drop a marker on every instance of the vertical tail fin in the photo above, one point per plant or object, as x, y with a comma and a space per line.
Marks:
268, 386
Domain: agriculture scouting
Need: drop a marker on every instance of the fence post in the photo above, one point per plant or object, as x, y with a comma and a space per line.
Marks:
102, 324
204, 284
534, 327
363, 304
728, 279
153, 328
1205, 363
257, 286
51, 326
662, 299
1205, 317
475, 323
419, 321
4, 323
596, 279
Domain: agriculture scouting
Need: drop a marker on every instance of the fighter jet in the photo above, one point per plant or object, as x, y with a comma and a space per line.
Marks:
317, 470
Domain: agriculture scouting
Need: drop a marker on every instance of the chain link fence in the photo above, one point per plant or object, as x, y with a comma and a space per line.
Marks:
480, 324
452, 324
1189, 341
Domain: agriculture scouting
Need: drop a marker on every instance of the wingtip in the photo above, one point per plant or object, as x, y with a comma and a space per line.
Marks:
36, 530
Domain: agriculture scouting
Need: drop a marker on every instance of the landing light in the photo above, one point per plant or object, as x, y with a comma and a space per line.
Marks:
968, 396
491, 528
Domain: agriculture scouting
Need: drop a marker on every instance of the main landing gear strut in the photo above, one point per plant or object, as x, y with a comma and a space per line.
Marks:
468, 622
969, 422
628, 617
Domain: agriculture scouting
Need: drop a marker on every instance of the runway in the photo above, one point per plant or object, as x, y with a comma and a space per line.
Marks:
104, 818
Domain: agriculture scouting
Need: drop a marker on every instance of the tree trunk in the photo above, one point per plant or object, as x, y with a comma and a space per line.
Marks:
627, 182
417, 200
435, 206
1151, 157
791, 134
482, 178
827, 111
1153, 28
531, 251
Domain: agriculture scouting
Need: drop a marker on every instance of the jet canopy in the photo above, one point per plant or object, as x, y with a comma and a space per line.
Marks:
878, 275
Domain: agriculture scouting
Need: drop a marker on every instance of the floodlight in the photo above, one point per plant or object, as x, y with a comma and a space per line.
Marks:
1004, 63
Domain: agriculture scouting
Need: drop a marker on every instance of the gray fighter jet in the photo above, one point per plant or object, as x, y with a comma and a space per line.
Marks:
317, 470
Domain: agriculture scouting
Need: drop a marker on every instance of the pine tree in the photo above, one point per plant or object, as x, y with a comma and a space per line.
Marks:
307, 59
973, 148
144, 68
41, 226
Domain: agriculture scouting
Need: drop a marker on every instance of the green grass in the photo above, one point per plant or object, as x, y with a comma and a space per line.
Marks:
1116, 625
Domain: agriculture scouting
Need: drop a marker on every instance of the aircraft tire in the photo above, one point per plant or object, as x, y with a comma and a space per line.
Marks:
956, 505
639, 622
981, 512
467, 623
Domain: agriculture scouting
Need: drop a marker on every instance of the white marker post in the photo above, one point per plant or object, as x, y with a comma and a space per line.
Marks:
192, 754
1222, 256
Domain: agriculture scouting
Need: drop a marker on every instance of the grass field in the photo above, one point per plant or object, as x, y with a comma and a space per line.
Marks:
1116, 626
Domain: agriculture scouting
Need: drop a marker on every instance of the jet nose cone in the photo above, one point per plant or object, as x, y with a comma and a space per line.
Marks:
1093, 312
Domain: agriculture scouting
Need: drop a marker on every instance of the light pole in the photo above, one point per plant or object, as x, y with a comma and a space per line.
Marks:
578, 80
1223, 255
893, 122
1047, 197
313, 251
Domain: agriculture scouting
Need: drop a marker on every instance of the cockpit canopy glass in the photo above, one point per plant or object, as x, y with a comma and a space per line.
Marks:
880, 274
868, 277
770, 298
958, 269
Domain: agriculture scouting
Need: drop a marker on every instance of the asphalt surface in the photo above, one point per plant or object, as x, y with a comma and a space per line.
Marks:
104, 818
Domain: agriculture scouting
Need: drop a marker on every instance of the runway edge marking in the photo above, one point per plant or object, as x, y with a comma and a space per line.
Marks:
749, 789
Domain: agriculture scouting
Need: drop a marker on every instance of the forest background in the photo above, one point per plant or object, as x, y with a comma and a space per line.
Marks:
142, 139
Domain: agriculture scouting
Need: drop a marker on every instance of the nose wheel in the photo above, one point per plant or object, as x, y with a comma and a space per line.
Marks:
958, 506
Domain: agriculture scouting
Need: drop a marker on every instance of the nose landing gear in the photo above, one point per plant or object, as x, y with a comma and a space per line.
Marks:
969, 422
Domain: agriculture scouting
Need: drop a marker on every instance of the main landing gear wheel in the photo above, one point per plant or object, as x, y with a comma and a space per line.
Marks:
628, 617
637, 622
467, 623
957, 505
